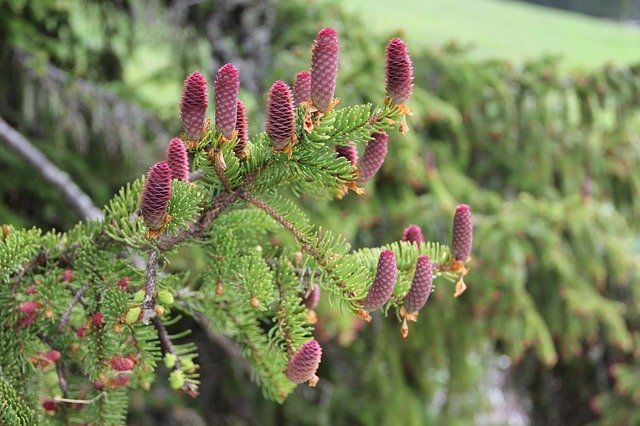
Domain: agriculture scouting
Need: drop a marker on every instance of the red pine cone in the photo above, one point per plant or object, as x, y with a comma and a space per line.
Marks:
122, 363
462, 233
304, 363
350, 152
312, 298
242, 126
324, 68
226, 89
398, 71
155, 195
193, 105
413, 234
177, 159
302, 87
382, 288
374, 154
420, 286
281, 120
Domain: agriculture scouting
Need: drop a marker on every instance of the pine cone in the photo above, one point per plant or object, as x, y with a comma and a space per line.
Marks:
193, 105
462, 233
177, 159
302, 87
304, 363
226, 87
420, 286
242, 126
383, 284
350, 152
324, 68
373, 157
155, 195
281, 121
398, 71
413, 234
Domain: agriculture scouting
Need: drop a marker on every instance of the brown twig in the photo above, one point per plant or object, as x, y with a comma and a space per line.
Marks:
148, 304
64, 318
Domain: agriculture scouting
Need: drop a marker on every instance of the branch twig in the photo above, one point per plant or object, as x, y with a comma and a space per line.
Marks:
148, 304
64, 318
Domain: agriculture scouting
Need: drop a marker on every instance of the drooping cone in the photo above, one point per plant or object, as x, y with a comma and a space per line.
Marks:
324, 68
462, 233
226, 87
242, 126
413, 234
155, 196
420, 286
350, 152
177, 159
398, 71
302, 87
280, 122
384, 282
193, 105
304, 363
373, 157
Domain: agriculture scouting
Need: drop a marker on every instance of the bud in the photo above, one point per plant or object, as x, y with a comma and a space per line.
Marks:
382, 287
177, 159
138, 296
98, 384
226, 89
170, 360
82, 330
312, 297
97, 319
6, 230
413, 234
193, 105
155, 195
121, 379
29, 306
49, 405
133, 315
304, 363
52, 355
420, 286
302, 87
373, 157
398, 71
242, 126
324, 68
349, 151
462, 233
121, 363
176, 379
31, 289
67, 275
165, 297
281, 121
123, 282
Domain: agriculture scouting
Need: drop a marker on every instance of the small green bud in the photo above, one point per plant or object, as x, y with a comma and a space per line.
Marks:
133, 314
176, 379
138, 296
170, 360
187, 364
165, 297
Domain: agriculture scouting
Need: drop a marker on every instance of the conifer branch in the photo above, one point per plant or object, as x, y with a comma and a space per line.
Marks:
167, 345
148, 304
283, 319
64, 318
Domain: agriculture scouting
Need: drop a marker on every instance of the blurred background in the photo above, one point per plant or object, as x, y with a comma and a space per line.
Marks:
527, 111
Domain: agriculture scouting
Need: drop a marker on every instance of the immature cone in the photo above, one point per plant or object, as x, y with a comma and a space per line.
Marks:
383, 284
226, 87
304, 363
374, 154
398, 71
177, 159
324, 68
302, 87
155, 195
193, 105
462, 233
420, 286
280, 123
242, 126
413, 234
122, 363
350, 152
312, 298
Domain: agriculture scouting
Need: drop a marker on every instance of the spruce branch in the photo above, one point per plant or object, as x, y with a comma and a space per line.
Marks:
189, 388
64, 318
148, 304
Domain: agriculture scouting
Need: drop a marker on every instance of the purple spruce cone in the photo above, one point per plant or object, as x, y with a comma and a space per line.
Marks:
226, 87
420, 286
242, 126
193, 105
281, 121
304, 363
177, 159
462, 233
324, 68
374, 154
398, 71
413, 234
350, 152
302, 87
383, 284
155, 195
